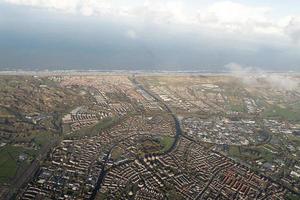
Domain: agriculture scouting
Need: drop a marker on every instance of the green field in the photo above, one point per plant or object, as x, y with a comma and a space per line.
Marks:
93, 130
9, 161
237, 107
289, 113
264, 153
234, 151
116, 153
167, 142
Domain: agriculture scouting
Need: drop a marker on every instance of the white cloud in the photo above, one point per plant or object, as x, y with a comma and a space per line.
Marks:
293, 28
157, 11
253, 75
84, 7
220, 16
246, 74
131, 34
87, 11
230, 12
63, 5
236, 17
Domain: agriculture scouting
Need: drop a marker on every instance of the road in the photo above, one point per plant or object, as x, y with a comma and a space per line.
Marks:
168, 109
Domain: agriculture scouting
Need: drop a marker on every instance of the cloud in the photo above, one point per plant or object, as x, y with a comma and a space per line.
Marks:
293, 29
238, 69
250, 22
83, 7
237, 17
62, 5
230, 12
282, 82
87, 11
148, 10
131, 34
246, 74
160, 12
253, 76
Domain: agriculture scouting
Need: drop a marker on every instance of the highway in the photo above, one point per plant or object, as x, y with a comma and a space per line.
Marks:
168, 109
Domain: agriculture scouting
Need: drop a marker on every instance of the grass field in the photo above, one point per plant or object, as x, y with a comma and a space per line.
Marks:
9, 156
234, 151
93, 130
288, 113
237, 107
167, 142
240, 153
116, 153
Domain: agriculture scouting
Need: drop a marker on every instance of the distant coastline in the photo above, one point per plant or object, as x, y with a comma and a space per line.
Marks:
129, 72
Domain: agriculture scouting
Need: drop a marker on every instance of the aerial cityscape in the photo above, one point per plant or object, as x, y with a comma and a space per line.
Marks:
155, 136
149, 100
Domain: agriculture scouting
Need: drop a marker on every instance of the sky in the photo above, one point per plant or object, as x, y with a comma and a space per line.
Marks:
187, 35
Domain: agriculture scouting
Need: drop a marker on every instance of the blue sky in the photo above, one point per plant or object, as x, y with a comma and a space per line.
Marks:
149, 34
